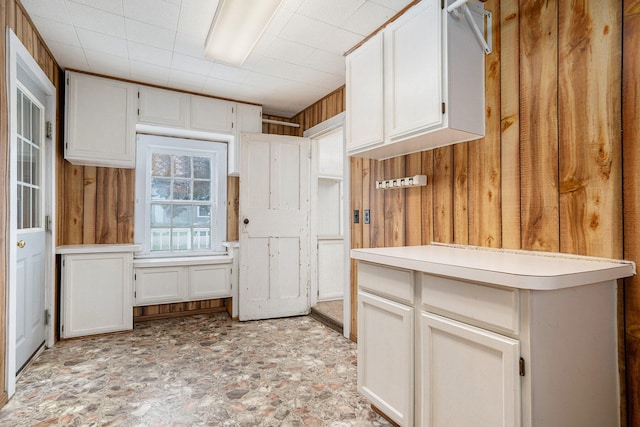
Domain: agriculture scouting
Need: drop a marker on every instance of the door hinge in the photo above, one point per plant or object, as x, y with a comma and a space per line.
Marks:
521, 367
48, 129
47, 317
135, 294
442, 4
444, 108
66, 145
62, 328
47, 223
135, 276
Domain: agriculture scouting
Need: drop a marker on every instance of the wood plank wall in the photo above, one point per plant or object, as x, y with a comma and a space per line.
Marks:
13, 15
549, 173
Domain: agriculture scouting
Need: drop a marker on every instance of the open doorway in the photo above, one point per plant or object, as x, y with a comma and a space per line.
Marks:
330, 239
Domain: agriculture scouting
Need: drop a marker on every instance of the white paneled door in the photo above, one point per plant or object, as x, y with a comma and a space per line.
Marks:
274, 227
30, 255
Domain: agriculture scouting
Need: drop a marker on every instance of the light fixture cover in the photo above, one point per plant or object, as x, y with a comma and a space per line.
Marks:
236, 28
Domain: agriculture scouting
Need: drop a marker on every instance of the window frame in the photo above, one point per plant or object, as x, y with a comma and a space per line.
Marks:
215, 149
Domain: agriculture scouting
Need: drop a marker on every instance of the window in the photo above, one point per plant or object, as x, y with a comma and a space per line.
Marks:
181, 196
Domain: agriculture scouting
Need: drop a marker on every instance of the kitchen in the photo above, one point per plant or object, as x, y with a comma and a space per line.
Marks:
549, 174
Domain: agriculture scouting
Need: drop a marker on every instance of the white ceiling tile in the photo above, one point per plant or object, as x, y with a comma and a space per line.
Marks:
111, 6
103, 43
160, 13
55, 10
187, 45
333, 12
68, 56
150, 35
339, 40
304, 30
396, 5
96, 20
150, 55
286, 50
229, 73
191, 64
291, 4
366, 19
109, 65
326, 61
279, 21
195, 17
149, 73
56, 31
223, 88
186, 81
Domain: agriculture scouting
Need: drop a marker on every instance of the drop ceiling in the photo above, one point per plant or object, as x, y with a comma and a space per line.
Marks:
298, 60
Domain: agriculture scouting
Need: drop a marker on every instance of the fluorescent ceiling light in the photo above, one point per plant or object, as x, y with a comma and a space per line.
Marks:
236, 28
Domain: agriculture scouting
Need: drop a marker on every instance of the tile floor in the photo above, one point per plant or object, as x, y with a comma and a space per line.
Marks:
193, 371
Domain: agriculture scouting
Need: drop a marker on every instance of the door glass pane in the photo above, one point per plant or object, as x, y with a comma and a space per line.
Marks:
19, 166
35, 125
19, 206
35, 165
26, 118
24, 159
35, 207
19, 110
26, 207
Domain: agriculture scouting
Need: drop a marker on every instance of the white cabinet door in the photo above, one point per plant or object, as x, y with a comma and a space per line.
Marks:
470, 376
163, 107
100, 121
385, 356
249, 120
413, 48
160, 285
214, 115
209, 281
96, 293
365, 109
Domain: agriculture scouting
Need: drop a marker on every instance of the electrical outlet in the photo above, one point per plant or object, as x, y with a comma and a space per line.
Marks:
367, 216
356, 216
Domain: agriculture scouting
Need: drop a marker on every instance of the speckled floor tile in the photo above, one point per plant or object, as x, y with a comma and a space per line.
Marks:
196, 371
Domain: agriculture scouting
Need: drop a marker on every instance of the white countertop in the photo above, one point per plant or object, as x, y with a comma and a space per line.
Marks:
176, 261
516, 269
97, 249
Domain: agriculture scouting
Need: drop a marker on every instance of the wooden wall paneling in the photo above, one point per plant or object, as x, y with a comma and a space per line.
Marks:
89, 206
427, 198
366, 201
539, 124
510, 122
73, 204
125, 204
376, 204
589, 91
4, 191
233, 208
460, 208
484, 154
394, 204
631, 166
443, 195
356, 236
413, 202
106, 206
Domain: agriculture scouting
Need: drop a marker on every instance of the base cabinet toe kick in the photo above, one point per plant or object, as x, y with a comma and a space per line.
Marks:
465, 336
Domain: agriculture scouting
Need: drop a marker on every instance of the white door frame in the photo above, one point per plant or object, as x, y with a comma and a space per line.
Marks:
17, 53
313, 133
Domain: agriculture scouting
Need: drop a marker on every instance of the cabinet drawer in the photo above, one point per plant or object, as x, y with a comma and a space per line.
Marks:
386, 281
474, 303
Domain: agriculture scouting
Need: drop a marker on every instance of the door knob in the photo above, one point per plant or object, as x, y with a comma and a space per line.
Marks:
21, 243
246, 221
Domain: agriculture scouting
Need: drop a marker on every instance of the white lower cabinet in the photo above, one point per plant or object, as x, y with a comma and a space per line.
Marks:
470, 369
164, 284
385, 356
96, 293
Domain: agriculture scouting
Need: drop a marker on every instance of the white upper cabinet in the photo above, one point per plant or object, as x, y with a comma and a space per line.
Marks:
210, 114
365, 108
100, 124
163, 107
427, 70
248, 119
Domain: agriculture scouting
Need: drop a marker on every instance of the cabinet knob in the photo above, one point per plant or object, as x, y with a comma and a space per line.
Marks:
246, 221
21, 243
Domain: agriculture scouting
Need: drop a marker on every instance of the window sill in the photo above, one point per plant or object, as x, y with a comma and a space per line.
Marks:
180, 261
